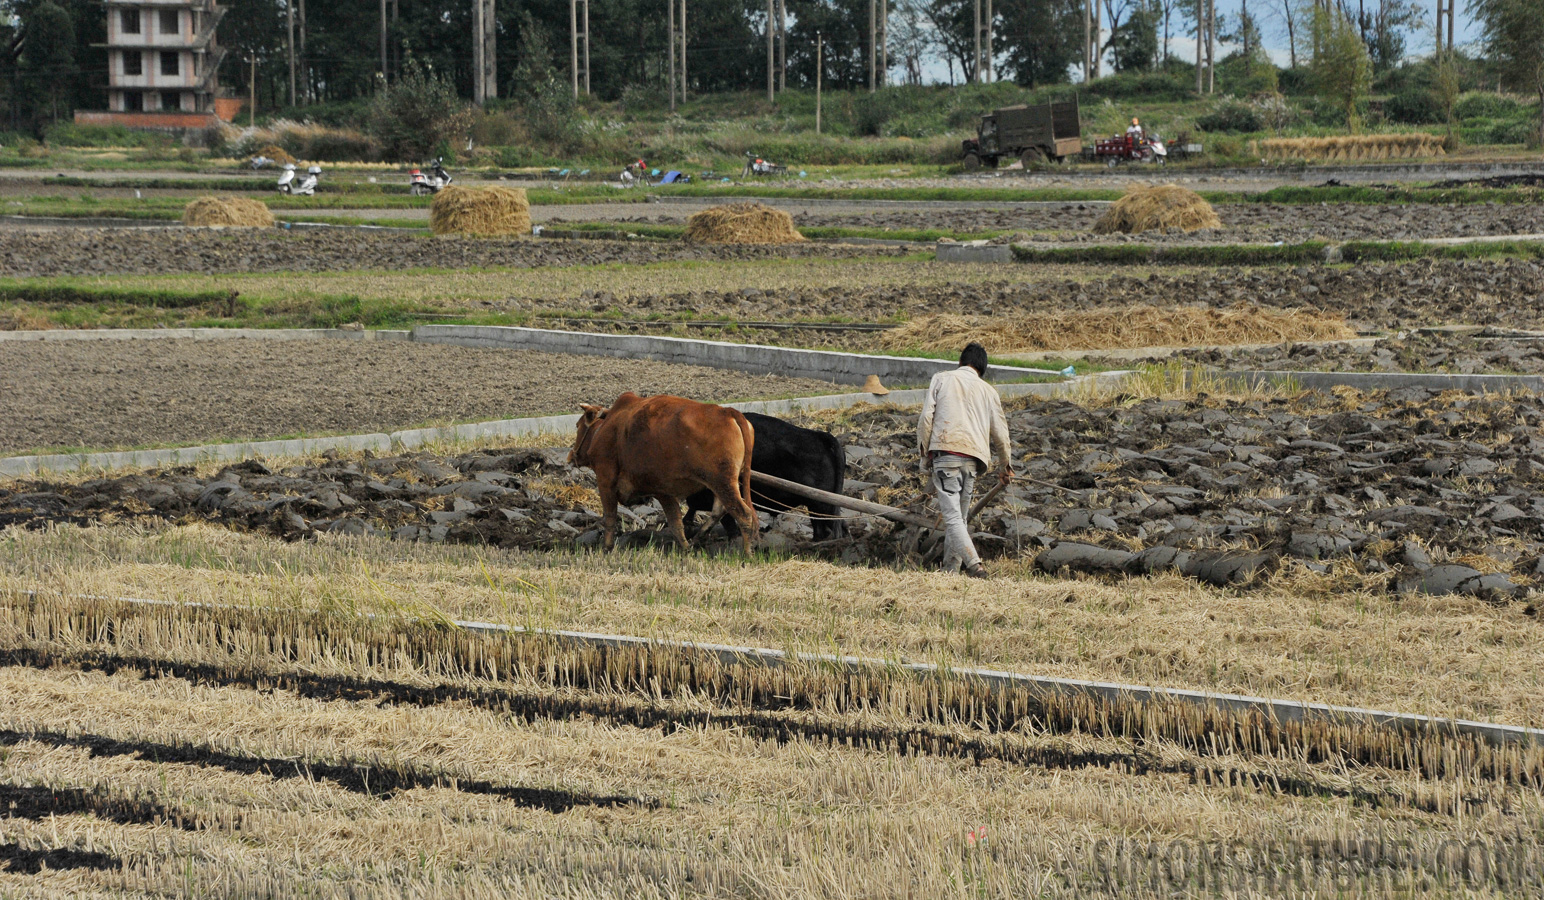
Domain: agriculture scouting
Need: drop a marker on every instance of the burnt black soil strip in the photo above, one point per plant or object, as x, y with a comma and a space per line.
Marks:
357, 777
32, 802
781, 726
30, 862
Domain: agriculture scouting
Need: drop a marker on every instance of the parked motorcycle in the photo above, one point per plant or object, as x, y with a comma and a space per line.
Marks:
306, 187
420, 184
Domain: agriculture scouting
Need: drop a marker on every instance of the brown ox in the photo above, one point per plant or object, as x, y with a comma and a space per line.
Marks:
667, 448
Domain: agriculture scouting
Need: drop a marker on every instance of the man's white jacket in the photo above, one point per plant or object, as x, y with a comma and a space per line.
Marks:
963, 414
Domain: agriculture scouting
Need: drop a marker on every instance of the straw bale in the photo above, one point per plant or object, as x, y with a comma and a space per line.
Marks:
277, 154
1122, 328
490, 210
1157, 207
227, 212
742, 223
1361, 146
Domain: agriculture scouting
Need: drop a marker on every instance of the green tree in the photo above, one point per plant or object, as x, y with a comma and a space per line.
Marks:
1041, 40
1341, 68
1513, 31
48, 54
418, 115
1134, 43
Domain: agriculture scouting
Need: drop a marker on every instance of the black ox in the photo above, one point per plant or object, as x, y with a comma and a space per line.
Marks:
811, 458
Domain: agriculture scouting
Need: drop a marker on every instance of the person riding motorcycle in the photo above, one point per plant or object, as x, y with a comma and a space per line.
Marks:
1135, 132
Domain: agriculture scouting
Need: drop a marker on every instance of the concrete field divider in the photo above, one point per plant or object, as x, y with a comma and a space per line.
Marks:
755, 359
561, 427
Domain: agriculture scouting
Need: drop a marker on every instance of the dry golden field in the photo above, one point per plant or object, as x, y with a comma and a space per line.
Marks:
270, 741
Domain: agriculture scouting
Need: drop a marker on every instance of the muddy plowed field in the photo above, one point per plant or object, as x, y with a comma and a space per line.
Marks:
1506, 293
1073, 223
1485, 353
1403, 490
107, 394
127, 251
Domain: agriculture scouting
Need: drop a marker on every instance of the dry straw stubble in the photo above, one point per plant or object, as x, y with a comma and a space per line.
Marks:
1132, 327
484, 211
227, 212
1359, 146
1158, 207
742, 223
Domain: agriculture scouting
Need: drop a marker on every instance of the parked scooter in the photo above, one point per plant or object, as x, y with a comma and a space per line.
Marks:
306, 187
420, 184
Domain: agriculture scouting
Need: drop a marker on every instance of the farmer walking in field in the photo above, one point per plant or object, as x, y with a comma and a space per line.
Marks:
962, 422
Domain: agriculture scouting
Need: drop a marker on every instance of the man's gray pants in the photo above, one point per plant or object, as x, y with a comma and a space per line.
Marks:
954, 478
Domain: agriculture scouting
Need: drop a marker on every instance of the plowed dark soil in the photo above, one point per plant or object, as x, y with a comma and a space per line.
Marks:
126, 251
1406, 489
107, 394
1242, 222
1507, 293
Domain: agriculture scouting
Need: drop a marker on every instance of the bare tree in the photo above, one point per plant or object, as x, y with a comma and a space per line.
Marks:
1288, 14
912, 38
1166, 10
1117, 10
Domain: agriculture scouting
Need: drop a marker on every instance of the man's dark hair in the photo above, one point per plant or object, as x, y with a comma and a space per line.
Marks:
974, 355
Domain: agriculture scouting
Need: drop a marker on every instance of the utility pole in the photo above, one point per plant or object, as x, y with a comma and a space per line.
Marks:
670, 39
1445, 9
289, 15
584, 30
484, 60
1088, 39
683, 51
782, 45
975, 69
475, 10
573, 45
771, 57
252, 87
987, 60
872, 11
820, 64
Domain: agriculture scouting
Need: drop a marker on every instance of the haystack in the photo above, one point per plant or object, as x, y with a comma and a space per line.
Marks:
1122, 328
490, 210
278, 154
1158, 207
742, 223
227, 212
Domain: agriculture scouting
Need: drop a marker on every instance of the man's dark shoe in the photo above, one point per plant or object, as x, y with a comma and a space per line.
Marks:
977, 571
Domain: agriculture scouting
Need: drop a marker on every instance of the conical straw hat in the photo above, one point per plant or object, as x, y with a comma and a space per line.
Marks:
872, 386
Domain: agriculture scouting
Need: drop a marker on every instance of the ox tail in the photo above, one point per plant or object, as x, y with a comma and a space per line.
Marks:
748, 435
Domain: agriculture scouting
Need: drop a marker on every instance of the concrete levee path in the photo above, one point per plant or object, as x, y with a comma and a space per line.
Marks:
980, 251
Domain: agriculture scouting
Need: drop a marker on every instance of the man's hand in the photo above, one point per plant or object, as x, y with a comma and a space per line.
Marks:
1005, 475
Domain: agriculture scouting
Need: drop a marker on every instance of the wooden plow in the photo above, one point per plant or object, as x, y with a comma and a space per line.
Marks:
921, 537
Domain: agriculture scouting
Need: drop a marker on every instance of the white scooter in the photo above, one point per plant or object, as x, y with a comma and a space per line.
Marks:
421, 184
307, 187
